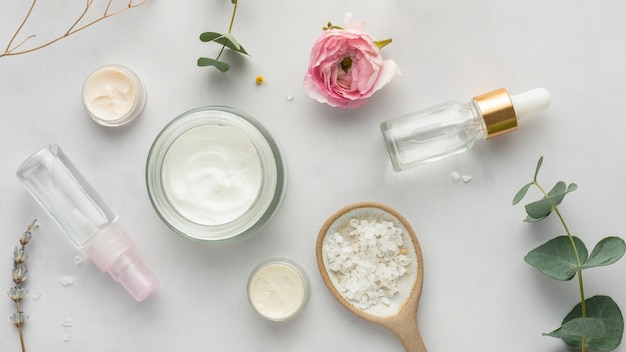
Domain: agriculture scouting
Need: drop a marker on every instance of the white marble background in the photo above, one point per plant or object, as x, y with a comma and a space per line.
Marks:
478, 295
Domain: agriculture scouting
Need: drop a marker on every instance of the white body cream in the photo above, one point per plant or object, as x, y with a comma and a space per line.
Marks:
278, 289
212, 174
215, 174
113, 95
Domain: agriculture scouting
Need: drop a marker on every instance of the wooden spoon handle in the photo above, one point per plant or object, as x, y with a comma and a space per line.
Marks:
409, 335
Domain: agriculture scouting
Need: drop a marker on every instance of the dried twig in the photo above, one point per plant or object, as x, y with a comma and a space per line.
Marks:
12, 50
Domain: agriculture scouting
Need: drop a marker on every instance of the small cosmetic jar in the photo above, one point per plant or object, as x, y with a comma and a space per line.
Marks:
113, 95
215, 174
278, 289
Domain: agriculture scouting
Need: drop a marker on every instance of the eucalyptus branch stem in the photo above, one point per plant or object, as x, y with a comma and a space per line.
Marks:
230, 27
579, 273
232, 19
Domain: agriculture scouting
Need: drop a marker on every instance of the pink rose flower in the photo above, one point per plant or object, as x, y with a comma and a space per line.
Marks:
346, 67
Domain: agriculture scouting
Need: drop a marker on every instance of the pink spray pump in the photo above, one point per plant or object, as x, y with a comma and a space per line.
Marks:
64, 193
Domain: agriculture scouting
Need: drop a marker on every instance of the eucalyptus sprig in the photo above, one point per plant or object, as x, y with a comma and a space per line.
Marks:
226, 40
19, 274
595, 323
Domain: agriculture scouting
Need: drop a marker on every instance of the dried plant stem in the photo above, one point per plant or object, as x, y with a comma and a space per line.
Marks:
19, 275
12, 50
20, 331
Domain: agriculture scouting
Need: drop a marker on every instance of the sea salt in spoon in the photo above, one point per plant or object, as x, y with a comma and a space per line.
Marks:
400, 316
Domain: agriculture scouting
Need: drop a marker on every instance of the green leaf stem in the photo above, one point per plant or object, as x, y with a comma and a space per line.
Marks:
226, 40
540, 209
595, 323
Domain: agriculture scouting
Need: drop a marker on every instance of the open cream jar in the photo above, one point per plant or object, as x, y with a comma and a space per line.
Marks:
278, 289
114, 95
215, 174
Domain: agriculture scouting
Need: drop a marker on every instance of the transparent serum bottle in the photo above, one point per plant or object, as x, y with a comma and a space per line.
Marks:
451, 128
90, 224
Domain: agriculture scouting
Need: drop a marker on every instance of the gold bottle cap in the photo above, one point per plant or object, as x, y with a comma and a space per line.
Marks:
497, 110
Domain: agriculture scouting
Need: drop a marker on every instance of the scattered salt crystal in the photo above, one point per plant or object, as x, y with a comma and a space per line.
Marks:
66, 280
67, 321
36, 295
290, 95
67, 337
456, 176
78, 260
368, 261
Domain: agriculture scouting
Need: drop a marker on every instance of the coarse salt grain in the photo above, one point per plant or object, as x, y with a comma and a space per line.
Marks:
78, 260
368, 262
456, 176
66, 280
67, 321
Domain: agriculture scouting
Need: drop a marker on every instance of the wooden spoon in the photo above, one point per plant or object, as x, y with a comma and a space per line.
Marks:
400, 316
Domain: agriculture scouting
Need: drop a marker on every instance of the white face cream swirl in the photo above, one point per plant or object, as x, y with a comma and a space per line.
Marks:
215, 174
212, 174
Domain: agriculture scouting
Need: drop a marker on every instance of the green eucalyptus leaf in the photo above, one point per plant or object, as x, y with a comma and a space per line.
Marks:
542, 208
579, 327
220, 65
531, 219
557, 259
230, 42
210, 36
605, 309
521, 193
606, 252
537, 168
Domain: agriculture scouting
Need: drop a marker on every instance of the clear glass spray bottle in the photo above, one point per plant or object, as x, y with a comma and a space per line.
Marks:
451, 128
90, 224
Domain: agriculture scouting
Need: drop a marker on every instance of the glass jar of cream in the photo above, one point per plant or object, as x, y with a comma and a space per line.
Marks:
114, 95
215, 174
278, 289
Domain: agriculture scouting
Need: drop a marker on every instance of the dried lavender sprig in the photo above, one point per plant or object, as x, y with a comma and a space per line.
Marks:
19, 274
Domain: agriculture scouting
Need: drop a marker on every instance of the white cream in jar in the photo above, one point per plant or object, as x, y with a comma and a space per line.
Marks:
113, 95
211, 174
278, 289
215, 174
